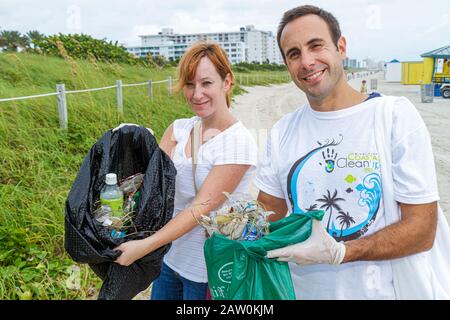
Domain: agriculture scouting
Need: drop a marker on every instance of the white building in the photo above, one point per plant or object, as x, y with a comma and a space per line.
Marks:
246, 45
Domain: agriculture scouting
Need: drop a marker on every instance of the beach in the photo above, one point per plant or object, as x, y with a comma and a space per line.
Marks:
262, 106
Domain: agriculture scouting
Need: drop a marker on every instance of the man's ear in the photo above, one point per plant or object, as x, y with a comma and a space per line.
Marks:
342, 47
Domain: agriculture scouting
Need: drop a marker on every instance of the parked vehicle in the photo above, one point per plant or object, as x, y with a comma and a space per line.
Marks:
445, 90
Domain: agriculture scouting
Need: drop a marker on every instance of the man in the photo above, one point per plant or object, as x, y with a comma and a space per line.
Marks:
363, 87
375, 180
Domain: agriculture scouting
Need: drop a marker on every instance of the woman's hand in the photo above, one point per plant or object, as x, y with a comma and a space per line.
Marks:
221, 178
131, 251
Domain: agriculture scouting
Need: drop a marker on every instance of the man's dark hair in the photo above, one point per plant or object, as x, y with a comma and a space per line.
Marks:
292, 14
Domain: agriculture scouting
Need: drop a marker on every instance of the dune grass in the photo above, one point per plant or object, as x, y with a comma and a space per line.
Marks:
39, 161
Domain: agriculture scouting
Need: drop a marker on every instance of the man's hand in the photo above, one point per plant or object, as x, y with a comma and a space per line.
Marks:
320, 247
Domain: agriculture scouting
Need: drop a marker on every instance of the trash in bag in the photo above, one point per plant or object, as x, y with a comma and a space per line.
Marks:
117, 206
241, 219
243, 272
125, 152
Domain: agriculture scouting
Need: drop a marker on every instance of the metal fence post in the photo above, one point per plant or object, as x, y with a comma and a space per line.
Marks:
150, 89
169, 85
62, 106
119, 96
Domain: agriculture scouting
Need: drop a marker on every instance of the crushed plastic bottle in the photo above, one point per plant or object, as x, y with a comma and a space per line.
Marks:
132, 183
103, 215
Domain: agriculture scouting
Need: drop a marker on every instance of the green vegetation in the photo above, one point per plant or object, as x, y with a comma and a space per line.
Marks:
260, 78
249, 67
81, 46
39, 161
75, 46
11, 40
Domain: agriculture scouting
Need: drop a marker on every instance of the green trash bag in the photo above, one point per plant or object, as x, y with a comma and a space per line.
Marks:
240, 270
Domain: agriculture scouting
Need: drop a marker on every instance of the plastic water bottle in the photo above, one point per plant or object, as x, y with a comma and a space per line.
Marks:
111, 195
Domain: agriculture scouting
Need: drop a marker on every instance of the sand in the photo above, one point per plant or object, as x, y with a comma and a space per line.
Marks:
262, 106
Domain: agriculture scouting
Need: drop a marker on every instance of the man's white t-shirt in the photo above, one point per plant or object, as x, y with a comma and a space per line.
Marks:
235, 145
329, 161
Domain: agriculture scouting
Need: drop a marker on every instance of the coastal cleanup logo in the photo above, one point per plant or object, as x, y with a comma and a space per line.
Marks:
329, 156
351, 200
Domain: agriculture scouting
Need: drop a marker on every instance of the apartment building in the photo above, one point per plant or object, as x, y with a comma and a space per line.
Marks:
246, 45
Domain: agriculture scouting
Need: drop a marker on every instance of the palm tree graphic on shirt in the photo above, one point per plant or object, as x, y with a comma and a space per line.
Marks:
330, 203
345, 219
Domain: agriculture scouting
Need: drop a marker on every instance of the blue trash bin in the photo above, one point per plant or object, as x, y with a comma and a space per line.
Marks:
437, 90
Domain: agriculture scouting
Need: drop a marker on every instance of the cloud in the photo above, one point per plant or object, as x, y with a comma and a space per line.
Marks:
380, 28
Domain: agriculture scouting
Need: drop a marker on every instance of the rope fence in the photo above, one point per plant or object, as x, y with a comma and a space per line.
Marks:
61, 92
88, 90
30, 97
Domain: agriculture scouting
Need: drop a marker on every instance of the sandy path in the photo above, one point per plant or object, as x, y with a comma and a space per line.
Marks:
262, 106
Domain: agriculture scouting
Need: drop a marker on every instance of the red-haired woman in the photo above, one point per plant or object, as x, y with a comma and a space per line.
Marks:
226, 159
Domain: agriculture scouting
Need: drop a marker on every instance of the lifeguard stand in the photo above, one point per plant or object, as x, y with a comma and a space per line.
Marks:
436, 68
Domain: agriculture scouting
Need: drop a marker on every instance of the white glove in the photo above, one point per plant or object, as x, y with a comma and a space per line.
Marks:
320, 247
130, 124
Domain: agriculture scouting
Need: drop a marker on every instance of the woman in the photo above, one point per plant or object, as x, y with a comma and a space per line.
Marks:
226, 159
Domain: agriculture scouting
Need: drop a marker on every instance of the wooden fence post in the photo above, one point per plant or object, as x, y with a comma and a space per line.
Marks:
150, 89
62, 106
169, 85
119, 96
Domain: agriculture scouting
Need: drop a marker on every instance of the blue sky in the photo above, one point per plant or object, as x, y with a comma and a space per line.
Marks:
382, 29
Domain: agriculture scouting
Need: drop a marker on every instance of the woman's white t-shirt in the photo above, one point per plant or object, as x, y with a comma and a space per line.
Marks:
234, 145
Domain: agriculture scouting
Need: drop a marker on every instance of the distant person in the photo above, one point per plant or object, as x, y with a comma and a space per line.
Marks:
363, 87
367, 161
226, 159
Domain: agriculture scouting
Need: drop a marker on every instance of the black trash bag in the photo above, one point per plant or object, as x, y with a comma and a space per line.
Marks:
127, 151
